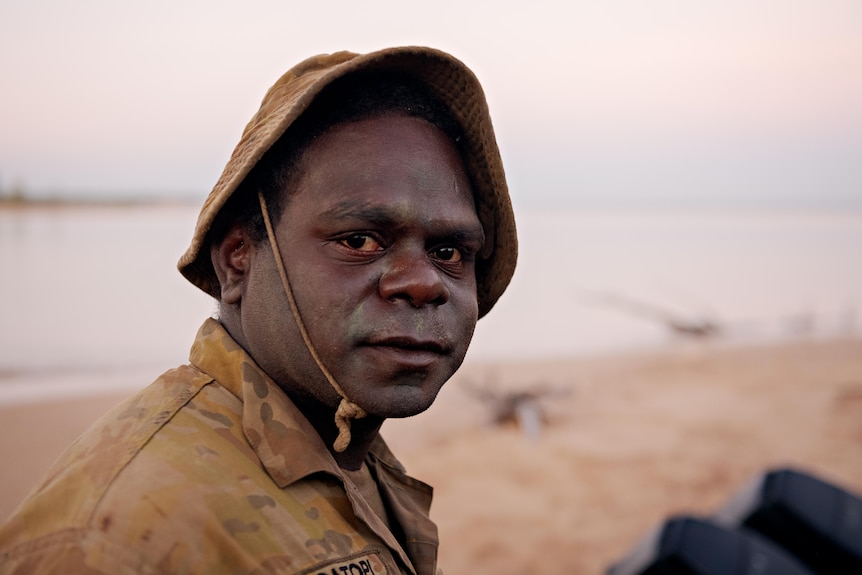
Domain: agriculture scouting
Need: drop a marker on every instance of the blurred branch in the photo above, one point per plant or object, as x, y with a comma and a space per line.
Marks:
693, 326
522, 408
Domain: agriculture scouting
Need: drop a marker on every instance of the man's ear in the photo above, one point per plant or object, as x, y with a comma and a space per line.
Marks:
231, 259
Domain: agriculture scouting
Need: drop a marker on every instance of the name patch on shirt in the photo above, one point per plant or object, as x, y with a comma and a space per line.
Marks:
369, 564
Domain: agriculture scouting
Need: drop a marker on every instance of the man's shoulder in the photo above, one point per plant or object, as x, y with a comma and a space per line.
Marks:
168, 479
75, 484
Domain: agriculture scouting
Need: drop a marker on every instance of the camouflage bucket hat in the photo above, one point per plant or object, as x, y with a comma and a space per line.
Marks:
456, 87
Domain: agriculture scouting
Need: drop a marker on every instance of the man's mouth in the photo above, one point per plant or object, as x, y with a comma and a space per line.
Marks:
409, 344
407, 351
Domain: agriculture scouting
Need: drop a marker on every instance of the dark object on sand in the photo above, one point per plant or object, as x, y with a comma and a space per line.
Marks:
692, 546
818, 522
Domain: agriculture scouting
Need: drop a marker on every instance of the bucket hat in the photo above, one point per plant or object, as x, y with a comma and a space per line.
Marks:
450, 81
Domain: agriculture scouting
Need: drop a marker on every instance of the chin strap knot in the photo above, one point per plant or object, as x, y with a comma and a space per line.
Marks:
347, 410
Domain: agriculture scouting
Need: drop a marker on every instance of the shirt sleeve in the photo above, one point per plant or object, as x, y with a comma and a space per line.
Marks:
72, 552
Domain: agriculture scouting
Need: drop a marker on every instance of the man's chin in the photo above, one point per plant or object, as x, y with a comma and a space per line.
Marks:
403, 402
408, 412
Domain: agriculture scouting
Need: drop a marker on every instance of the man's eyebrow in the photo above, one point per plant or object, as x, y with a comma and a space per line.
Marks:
384, 216
358, 209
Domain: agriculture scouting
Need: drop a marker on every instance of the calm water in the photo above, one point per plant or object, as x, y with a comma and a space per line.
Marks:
90, 297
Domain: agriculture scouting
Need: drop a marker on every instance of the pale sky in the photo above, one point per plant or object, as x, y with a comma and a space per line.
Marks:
622, 101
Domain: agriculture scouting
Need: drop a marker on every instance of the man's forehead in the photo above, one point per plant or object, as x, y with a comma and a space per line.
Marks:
355, 135
393, 160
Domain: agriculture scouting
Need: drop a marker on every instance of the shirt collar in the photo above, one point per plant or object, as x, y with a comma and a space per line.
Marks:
273, 425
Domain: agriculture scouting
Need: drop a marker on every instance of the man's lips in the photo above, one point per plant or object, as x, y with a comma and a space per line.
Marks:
407, 351
407, 343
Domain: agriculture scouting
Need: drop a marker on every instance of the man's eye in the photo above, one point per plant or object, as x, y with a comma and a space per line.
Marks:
362, 243
448, 254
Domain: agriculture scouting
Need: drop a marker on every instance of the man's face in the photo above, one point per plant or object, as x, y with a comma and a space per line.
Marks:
379, 240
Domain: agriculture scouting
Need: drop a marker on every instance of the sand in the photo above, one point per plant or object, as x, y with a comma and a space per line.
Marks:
627, 441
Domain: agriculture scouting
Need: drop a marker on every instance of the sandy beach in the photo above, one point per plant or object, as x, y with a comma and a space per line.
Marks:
627, 440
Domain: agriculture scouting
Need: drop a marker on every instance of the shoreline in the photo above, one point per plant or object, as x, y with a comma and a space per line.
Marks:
28, 385
627, 440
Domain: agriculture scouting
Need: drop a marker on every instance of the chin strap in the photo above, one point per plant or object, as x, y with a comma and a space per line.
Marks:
347, 410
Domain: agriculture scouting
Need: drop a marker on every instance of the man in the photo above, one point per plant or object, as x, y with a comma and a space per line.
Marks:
359, 230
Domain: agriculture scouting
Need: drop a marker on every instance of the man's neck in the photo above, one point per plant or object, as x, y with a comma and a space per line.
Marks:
363, 432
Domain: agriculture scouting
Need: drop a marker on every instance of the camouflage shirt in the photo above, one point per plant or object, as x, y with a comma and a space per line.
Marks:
211, 469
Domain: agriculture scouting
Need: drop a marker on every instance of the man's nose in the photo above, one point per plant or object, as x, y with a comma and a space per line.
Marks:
413, 277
